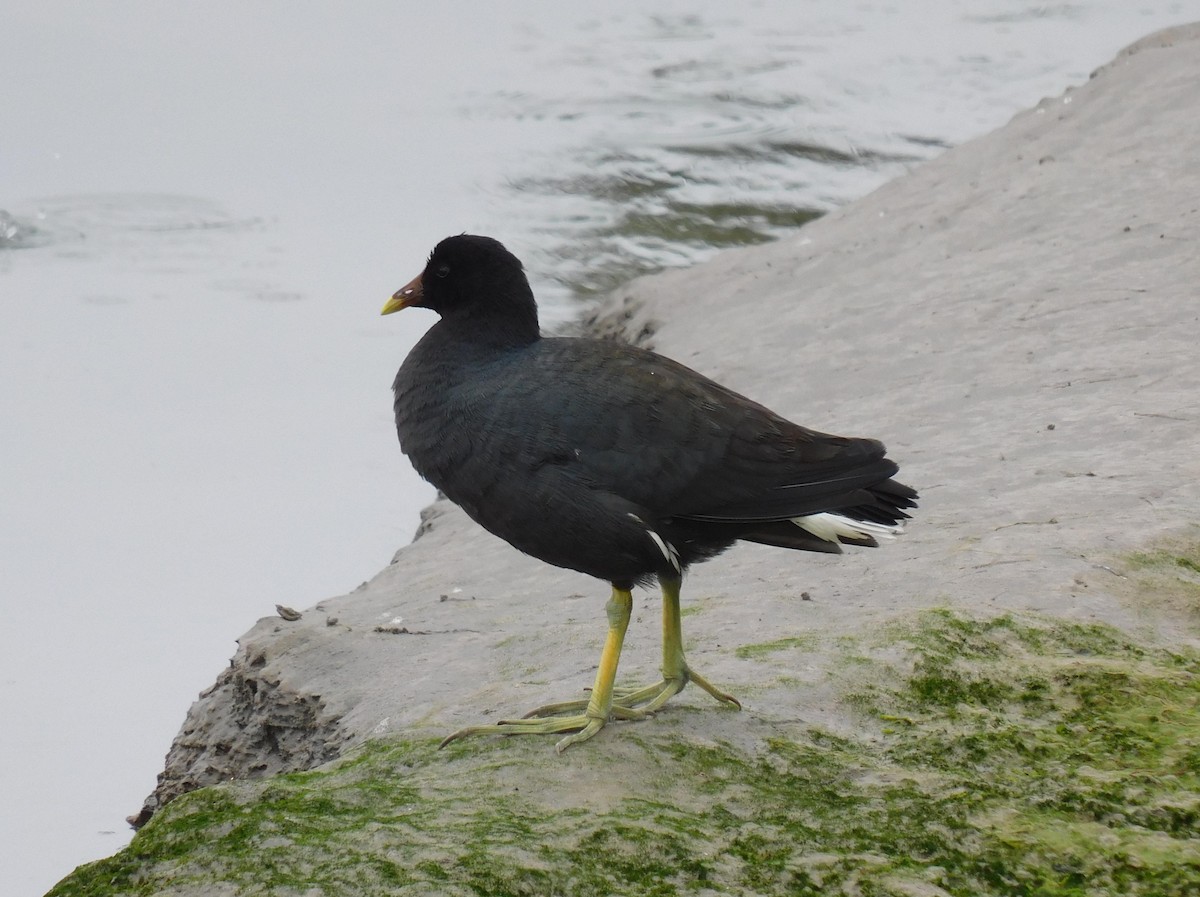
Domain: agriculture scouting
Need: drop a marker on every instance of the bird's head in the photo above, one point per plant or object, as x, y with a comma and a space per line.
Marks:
469, 278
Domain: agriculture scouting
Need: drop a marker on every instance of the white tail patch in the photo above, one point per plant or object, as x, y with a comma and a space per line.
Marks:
831, 526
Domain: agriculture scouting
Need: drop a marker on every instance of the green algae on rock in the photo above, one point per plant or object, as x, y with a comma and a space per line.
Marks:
1008, 755
1167, 577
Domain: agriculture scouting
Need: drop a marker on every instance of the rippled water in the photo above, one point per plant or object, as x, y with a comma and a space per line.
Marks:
203, 210
628, 141
693, 131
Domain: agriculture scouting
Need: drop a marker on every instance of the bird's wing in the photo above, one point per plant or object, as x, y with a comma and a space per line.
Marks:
670, 440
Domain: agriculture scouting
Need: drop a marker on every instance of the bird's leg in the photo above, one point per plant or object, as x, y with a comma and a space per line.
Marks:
676, 672
598, 708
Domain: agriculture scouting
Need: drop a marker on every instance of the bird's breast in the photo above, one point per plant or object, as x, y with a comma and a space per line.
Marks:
455, 413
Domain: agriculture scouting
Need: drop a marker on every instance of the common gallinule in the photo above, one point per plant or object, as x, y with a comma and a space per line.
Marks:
613, 461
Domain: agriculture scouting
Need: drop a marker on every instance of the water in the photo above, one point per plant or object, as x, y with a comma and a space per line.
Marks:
204, 209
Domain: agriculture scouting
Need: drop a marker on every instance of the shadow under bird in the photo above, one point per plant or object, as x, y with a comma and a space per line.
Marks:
613, 461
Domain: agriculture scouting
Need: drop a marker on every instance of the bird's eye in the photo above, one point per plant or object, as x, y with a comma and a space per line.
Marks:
442, 270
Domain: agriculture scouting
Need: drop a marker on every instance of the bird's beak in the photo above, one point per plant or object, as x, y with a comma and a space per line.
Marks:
410, 294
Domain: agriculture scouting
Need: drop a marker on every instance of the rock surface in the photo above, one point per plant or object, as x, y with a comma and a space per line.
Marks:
1016, 319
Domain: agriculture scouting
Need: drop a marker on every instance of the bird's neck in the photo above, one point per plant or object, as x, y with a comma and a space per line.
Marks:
508, 325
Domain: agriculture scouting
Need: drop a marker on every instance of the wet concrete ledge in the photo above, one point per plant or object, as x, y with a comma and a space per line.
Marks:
1016, 319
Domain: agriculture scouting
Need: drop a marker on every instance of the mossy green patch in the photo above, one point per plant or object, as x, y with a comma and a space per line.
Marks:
802, 642
1034, 757
1167, 577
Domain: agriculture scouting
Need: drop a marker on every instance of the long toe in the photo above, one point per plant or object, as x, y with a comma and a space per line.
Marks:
652, 698
723, 697
620, 710
582, 725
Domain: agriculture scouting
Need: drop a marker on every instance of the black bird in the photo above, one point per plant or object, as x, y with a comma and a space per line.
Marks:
613, 461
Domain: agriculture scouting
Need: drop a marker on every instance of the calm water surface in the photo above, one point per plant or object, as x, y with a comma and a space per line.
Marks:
203, 210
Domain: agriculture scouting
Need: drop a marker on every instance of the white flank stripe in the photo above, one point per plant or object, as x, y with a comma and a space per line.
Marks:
666, 548
830, 526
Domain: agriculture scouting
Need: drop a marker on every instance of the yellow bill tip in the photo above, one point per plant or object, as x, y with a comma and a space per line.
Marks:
409, 294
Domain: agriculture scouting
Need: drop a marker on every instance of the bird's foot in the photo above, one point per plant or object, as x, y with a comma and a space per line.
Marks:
582, 726
582, 719
653, 697
639, 703
619, 710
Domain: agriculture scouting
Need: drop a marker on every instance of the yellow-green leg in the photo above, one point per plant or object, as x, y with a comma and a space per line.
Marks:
596, 710
637, 703
676, 672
